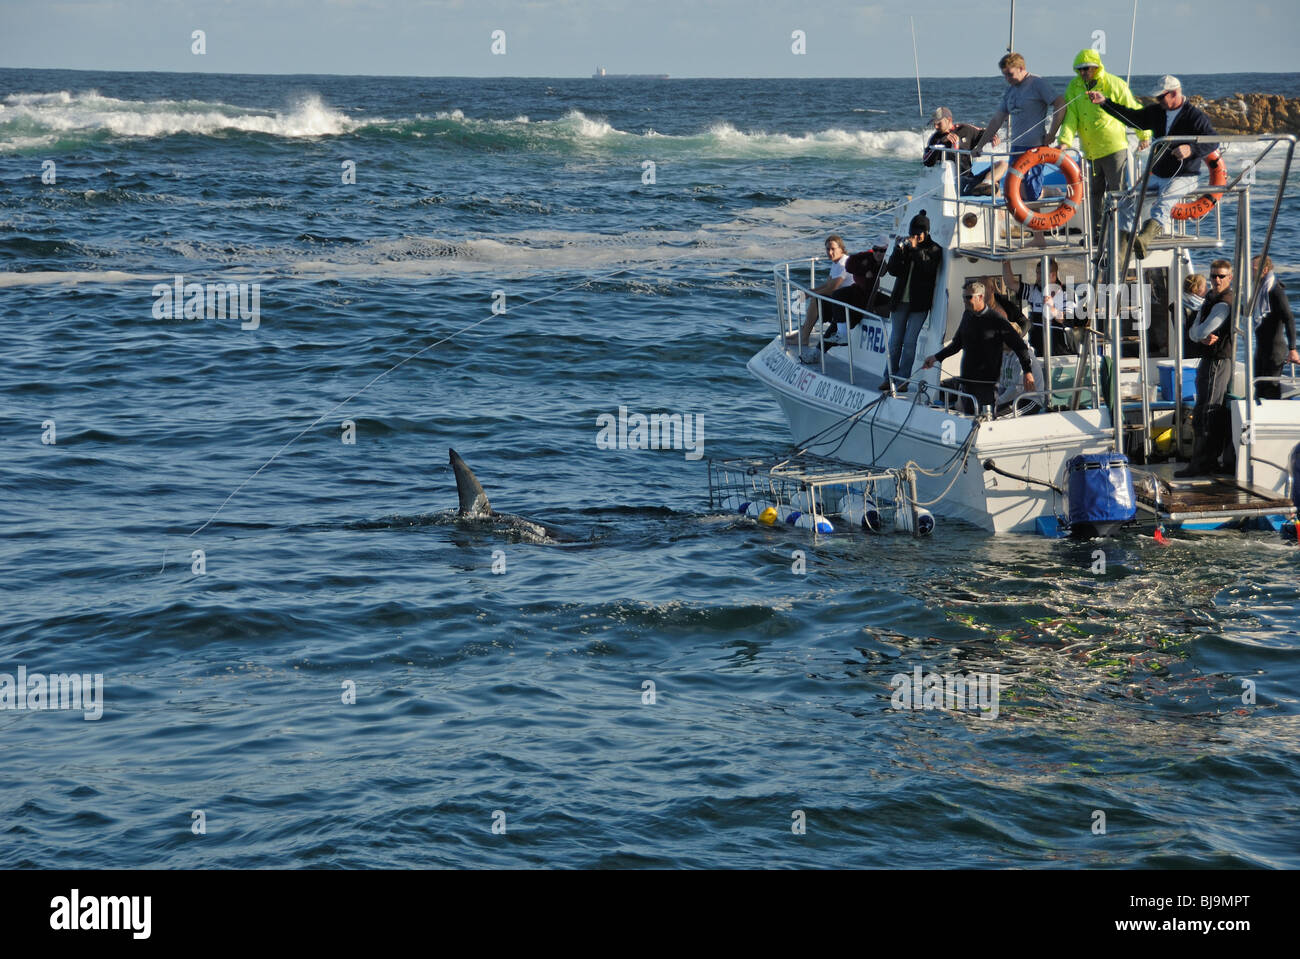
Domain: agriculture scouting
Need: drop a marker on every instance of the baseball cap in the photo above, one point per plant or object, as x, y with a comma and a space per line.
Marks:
1165, 84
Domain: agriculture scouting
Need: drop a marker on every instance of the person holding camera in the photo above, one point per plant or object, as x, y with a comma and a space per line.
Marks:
915, 265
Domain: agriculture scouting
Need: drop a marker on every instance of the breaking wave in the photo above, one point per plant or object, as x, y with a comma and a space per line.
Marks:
31, 121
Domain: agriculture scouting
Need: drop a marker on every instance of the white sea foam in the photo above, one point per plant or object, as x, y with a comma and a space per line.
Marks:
763, 235
73, 277
901, 143
1239, 153
585, 128
574, 125
37, 117
35, 120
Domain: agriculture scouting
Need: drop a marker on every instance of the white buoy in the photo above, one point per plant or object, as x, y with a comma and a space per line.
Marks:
860, 510
804, 500
814, 522
924, 521
738, 502
914, 519
794, 517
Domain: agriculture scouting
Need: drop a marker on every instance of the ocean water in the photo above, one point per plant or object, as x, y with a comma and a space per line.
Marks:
505, 718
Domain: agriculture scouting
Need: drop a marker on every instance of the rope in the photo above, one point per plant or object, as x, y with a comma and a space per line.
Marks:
965, 450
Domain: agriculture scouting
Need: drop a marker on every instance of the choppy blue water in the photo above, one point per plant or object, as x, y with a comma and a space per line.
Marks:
518, 698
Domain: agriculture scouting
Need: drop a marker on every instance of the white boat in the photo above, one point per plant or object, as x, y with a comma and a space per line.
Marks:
997, 472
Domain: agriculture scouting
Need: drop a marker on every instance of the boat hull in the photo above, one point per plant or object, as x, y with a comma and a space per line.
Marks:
825, 418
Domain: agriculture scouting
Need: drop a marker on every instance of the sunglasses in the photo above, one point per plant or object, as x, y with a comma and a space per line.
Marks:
1220, 276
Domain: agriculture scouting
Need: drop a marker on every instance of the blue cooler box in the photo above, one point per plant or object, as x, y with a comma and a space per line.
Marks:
1166, 369
1101, 495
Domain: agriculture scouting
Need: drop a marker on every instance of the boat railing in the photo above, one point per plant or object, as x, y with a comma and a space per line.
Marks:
1075, 394
1000, 239
792, 298
785, 300
1031, 401
1288, 386
1019, 406
957, 401
1183, 234
953, 399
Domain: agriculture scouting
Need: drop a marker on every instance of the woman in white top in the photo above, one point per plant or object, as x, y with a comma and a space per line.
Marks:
839, 278
1194, 289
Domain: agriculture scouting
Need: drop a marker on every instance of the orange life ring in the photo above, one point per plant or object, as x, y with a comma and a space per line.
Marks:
1203, 204
1067, 208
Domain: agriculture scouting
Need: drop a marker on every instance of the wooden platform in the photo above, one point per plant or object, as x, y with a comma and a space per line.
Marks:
1209, 497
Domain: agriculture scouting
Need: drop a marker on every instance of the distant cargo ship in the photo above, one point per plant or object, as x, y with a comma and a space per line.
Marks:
601, 74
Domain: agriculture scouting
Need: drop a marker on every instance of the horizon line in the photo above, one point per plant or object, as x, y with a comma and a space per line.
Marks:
646, 76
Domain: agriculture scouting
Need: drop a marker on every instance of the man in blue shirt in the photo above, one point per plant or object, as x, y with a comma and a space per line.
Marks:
1025, 102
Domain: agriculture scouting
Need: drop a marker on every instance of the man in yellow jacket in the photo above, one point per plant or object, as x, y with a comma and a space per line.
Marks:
1103, 138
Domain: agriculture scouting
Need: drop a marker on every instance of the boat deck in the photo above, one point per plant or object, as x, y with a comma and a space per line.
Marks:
1208, 497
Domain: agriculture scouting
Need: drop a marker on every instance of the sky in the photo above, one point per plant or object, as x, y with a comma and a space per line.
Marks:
683, 38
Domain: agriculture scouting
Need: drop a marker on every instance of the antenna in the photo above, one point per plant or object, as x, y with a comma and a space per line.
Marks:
1132, 34
1011, 42
920, 109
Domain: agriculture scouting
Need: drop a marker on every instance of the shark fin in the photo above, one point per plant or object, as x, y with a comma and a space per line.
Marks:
473, 501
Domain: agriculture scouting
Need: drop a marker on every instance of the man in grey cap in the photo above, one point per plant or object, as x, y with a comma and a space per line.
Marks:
1176, 170
961, 136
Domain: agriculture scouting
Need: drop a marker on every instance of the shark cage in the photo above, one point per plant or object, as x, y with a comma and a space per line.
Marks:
824, 496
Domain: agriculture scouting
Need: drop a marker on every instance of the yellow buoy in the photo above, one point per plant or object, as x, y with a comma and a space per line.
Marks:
768, 516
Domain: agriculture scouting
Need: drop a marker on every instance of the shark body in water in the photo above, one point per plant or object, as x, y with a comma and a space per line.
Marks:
474, 505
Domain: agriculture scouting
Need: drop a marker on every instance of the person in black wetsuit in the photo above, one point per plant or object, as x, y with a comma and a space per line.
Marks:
1274, 332
1213, 328
980, 338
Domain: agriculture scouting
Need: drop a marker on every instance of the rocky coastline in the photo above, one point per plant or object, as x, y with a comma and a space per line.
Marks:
1245, 113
